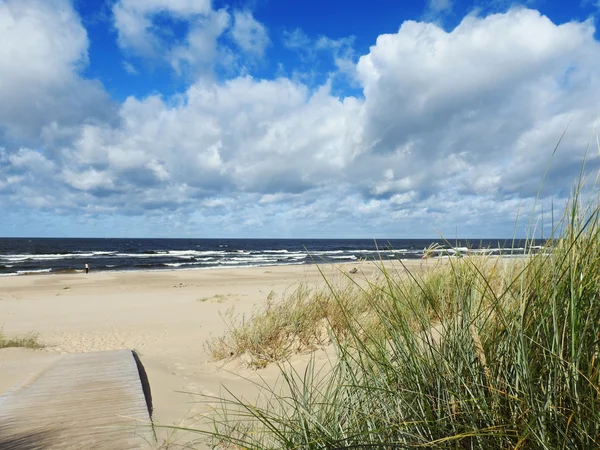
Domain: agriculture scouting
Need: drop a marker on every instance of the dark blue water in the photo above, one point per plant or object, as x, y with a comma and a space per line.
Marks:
41, 255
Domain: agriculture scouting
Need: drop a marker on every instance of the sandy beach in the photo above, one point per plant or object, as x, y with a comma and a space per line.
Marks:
166, 316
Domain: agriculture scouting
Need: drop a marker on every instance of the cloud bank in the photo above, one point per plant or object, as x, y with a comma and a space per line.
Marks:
453, 128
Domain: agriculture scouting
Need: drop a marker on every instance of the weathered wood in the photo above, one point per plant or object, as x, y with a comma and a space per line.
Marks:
82, 401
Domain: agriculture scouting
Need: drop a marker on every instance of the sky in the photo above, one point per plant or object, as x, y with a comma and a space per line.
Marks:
294, 119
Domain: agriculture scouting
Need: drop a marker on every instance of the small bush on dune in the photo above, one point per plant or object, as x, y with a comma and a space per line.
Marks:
297, 324
29, 341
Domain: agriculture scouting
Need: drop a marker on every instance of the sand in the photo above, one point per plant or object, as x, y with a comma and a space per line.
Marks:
166, 316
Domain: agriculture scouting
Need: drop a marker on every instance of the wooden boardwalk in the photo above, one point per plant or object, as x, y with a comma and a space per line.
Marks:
81, 401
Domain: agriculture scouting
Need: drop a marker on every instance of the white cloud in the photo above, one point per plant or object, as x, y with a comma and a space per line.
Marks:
455, 128
437, 6
343, 53
88, 180
479, 91
130, 68
321, 59
26, 51
437, 10
341, 50
278, 197
196, 51
296, 39
133, 21
44, 47
249, 34
246, 135
199, 49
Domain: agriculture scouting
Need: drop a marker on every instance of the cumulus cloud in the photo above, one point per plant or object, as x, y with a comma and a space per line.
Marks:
296, 39
249, 34
322, 59
453, 128
43, 50
439, 6
489, 97
438, 10
135, 26
200, 48
245, 135
342, 51
187, 34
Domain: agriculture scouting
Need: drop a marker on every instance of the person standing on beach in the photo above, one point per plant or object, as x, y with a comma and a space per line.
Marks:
87, 268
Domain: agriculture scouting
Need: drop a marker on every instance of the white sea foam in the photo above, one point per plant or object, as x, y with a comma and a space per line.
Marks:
292, 255
186, 264
174, 254
47, 257
53, 256
239, 260
25, 272
327, 252
234, 266
192, 252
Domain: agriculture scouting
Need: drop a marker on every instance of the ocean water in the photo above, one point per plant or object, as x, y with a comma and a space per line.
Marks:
19, 256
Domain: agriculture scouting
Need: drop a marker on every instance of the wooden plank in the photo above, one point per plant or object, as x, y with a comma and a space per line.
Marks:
81, 401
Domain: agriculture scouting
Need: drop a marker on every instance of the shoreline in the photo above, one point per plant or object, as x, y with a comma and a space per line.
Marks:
162, 269
45, 272
158, 269
59, 256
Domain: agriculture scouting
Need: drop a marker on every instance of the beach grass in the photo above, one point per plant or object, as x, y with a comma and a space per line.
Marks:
29, 340
301, 322
476, 353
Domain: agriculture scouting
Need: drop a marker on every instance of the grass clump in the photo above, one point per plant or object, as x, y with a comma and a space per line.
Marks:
310, 318
297, 324
29, 340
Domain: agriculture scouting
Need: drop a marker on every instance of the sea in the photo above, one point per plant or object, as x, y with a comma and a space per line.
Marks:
22, 256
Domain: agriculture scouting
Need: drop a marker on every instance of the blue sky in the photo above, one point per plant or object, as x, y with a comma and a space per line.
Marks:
177, 118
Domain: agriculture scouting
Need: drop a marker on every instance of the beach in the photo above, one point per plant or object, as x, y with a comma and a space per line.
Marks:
166, 316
